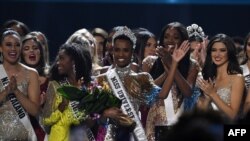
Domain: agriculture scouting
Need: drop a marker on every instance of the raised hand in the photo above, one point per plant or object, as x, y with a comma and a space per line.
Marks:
203, 51
195, 55
180, 52
163, 53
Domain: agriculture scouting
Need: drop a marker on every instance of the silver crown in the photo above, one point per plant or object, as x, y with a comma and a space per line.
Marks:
126, 32
195, 30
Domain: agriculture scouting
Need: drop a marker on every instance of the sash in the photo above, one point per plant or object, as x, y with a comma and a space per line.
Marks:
246, 74
74, 107
172, 117
245, 69
17, 106
127, 107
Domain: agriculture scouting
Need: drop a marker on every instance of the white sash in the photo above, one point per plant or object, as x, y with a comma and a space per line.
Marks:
172, 117
17, 106
74, 107
246, 74
127, 107
245, 69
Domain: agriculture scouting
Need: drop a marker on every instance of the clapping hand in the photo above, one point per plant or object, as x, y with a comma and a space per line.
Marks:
203, 51
207, 86
180, 52
12, 86
164, 53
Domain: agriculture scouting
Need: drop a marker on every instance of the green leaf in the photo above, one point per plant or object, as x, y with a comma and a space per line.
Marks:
70, 92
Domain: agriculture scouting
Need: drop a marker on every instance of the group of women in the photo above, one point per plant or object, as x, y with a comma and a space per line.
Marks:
154, 82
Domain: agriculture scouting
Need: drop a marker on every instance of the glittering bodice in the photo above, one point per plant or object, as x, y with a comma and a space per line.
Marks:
123, 72
11, 127
139, 86
225, 94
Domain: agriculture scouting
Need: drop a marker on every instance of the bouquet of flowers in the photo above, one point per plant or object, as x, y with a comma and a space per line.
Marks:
92, 98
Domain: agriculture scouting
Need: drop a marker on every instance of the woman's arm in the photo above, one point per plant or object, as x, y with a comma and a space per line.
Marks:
236, 95
184, 84
31, 102
177, 55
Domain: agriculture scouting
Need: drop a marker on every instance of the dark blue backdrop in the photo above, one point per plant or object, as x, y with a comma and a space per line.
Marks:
58, 20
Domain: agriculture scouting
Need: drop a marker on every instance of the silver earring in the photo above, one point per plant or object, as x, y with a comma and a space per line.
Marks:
74, 69
1, 57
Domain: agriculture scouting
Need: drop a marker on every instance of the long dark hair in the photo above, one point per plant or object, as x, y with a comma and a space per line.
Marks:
83, 63
141, 42
185, 62
245, 48
210, 69
23, 27
40, 66
8, 31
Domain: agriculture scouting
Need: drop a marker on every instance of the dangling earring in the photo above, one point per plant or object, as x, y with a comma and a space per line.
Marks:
1, 57
74, 69
132, 59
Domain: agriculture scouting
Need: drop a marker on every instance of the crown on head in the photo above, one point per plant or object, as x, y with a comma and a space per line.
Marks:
195, 31
126, 32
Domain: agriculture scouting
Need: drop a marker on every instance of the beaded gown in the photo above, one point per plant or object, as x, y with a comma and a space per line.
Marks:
140, 87
11, 128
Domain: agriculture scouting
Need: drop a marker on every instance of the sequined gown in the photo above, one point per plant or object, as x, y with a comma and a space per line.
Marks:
246, 74
224, 94
157, 113
11, 128
139, 86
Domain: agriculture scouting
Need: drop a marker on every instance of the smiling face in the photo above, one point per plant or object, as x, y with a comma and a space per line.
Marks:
150, 48
219, 54
64, 63
31, 52
10, 48
122, 52
171, 38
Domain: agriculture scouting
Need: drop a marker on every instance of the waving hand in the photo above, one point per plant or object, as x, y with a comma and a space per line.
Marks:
180, 52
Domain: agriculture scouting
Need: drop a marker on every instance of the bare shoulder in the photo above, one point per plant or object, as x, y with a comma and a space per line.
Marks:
31, 71
237, 78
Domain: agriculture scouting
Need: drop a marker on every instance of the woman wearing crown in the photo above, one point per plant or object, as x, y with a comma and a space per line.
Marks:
135, 88
198, 43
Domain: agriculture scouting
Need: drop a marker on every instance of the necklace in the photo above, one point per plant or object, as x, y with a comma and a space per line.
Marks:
122, 72
64, 82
